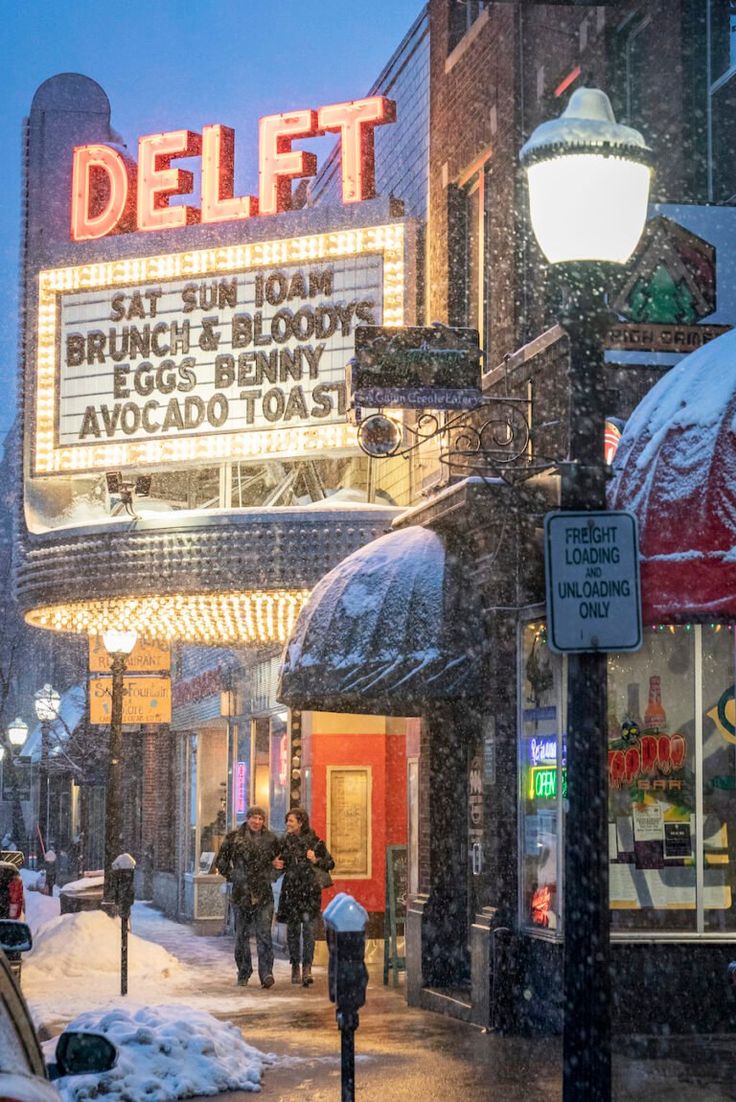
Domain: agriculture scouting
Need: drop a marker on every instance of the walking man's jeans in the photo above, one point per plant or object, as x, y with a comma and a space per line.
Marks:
294, 932
256, 920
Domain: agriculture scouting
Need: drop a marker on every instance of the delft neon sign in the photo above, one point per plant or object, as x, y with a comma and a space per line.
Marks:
110, 195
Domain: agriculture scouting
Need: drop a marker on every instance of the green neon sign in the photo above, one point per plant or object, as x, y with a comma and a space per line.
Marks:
543, 783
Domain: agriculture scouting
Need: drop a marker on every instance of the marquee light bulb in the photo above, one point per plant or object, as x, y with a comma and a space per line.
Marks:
258, 616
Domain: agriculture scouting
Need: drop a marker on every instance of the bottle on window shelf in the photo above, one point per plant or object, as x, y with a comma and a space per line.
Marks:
655, 718
632, 724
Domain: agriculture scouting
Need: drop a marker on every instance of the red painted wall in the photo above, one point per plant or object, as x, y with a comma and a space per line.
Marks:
386, 756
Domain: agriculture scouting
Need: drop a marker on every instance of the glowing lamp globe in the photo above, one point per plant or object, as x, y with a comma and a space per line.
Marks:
119, 642
46, 702
588, 180
17, 732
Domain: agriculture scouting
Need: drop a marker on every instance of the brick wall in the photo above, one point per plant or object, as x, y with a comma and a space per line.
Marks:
158, 801
498, 84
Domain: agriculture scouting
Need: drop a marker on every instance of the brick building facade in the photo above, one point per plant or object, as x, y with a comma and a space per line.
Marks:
497, 70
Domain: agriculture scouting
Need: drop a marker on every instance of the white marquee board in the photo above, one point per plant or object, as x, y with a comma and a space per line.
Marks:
237, 352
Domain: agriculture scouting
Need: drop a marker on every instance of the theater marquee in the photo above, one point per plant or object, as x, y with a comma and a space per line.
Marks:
236, 352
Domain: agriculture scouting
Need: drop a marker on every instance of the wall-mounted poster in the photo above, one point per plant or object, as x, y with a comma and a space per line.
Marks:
349, 821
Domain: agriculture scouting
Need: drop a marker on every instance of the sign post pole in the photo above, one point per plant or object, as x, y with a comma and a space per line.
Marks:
587, 983
112, 787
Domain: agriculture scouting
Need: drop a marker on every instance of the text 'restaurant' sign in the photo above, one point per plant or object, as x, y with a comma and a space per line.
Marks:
234, 352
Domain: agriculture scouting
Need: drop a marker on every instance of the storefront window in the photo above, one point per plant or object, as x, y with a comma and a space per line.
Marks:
719, 779
261, 758
672, 773
652, 783
543, 777
192, 800
280, 769
206, 797
671, 783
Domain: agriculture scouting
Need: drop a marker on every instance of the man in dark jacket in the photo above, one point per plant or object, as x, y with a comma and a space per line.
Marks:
246, 860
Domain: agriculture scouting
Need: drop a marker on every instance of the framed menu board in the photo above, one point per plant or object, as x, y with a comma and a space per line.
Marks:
349, 821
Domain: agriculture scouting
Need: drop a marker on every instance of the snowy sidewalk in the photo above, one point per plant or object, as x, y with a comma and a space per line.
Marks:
170, 965
402, 1054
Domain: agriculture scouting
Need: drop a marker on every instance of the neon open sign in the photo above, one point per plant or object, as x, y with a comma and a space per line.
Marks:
109, 195
543, 783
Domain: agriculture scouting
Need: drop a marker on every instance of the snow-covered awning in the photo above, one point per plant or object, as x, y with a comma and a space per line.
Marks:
384, 632
72, 710
676, 470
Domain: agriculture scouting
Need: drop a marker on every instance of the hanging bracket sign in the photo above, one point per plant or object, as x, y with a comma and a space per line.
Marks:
591, 565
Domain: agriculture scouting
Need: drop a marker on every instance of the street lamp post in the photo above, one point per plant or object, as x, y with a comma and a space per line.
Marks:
588, 193
118, 645
17, 735
46, 702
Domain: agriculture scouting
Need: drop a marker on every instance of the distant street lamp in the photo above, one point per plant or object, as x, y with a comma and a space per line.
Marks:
46, 702
588, 193
118, 645
17, 732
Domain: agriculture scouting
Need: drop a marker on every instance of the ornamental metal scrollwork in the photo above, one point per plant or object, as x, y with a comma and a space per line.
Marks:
491, 437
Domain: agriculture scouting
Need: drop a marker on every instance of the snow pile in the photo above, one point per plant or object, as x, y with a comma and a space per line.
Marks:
167, 963
39, 908
165, 1052
83, 885
89, 943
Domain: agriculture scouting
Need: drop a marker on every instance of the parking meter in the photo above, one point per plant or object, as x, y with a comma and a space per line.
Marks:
123, 873
49, 858
347, 976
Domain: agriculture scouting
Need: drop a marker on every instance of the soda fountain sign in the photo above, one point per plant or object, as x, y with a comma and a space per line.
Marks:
108, 196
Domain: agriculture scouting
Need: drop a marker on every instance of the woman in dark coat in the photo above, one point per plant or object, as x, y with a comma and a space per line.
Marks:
301, 852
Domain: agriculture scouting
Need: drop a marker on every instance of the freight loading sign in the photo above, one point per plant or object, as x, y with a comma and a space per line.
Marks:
230, 353
592, 578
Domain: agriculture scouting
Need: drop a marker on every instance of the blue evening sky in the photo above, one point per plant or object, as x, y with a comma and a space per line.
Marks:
166, 64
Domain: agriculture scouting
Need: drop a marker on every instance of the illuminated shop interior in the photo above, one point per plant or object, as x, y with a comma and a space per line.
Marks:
672, 775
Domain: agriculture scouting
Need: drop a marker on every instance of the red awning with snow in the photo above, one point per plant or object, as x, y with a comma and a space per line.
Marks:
676, 470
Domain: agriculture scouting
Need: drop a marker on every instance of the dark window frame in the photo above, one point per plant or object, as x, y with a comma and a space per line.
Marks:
461, 15
476, 194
